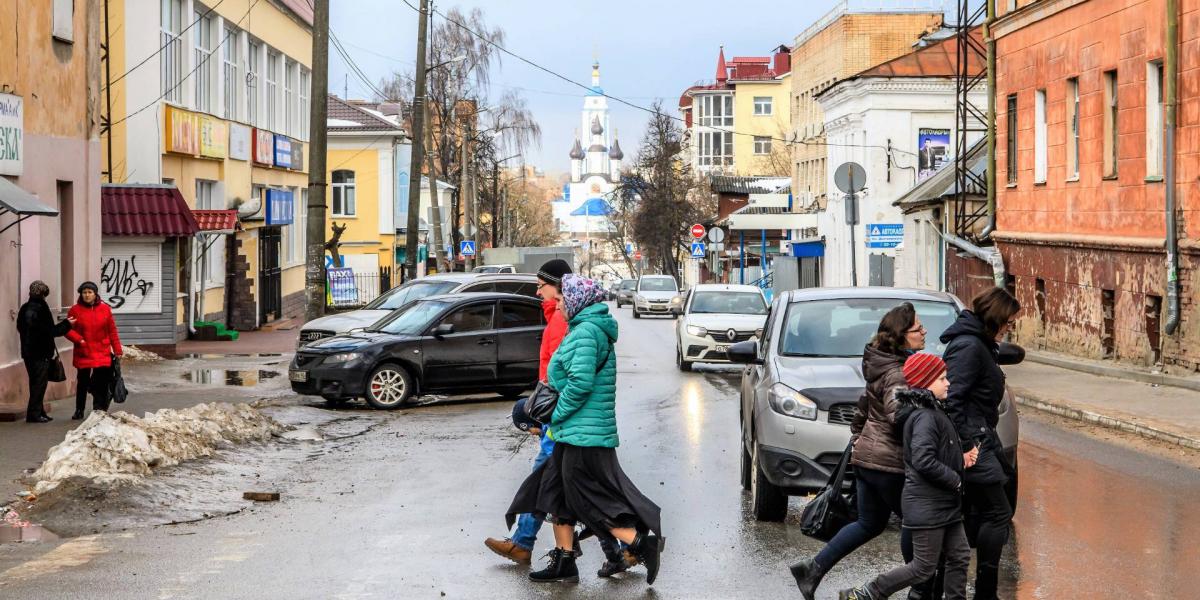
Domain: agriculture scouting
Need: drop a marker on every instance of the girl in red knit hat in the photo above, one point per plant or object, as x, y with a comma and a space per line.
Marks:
932, 498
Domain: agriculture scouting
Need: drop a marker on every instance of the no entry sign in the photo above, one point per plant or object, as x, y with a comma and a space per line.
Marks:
697, 231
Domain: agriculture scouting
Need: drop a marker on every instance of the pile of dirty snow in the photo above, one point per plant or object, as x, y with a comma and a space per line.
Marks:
121, 447
135, 353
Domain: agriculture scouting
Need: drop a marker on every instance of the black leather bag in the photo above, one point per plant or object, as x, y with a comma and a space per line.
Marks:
57, 372
116, 388
830, 510
541, 403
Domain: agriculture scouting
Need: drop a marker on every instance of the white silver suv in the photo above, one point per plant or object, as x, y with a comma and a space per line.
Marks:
716, 315
657, 295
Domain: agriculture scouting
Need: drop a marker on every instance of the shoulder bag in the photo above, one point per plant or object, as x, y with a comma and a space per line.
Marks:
56, 372
830, 510
116, 386
541, 403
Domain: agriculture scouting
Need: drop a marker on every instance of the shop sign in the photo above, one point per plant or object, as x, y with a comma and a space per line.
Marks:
297, 155
239, 142
183, 131
264, 147
212, 137
131, 277
280, 207
283, 151
12, 130
884, 235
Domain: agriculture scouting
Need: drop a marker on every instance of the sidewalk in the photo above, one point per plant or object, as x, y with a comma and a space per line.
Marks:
1163, 412
280, 341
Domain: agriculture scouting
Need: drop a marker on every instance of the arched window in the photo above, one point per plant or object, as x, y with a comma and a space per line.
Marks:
343, 193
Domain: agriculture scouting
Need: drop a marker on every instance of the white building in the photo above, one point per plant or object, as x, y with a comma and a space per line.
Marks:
896, 120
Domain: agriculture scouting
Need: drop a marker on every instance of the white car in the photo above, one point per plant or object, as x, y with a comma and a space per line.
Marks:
657, 295
715, 316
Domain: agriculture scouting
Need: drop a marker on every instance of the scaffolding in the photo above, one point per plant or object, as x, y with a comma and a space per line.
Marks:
970, 118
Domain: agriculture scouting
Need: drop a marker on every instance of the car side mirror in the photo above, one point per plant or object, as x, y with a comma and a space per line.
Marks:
442, 330
1011, 354
745, 353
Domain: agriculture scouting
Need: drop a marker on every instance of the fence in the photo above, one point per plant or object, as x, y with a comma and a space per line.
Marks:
348, 289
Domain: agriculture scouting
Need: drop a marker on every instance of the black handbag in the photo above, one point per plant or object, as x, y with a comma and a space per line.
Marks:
57, 372
541, 403
116, 387
830, 510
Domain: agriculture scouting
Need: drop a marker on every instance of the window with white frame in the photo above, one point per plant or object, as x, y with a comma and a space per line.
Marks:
202, 34
305, 106
1154, 119
290, 103
716, 147
171, 74
213, 269
1039, 137
229, 72
343, 193
762, 144
271, 91
253, 76
1073, 128
716, 110
762, 106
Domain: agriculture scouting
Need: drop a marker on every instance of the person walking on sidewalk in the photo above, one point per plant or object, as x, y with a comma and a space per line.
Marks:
932, 497
583, 480
878, 457
36, 326
973, 404
96, 342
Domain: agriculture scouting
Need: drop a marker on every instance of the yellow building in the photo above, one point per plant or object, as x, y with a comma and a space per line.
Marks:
761, 110
213, 99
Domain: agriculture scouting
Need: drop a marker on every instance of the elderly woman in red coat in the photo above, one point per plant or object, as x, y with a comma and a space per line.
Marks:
95, 336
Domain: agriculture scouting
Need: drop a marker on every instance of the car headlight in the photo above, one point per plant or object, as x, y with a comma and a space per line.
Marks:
342, 357
697, 330
676, 300
786, 401
640, 298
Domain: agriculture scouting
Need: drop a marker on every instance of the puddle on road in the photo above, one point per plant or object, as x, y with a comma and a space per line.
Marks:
220, 356
229, 377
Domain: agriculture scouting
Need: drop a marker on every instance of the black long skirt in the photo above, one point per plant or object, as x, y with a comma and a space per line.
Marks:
585, 484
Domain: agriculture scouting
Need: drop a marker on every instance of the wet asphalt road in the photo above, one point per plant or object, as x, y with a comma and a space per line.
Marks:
396, 505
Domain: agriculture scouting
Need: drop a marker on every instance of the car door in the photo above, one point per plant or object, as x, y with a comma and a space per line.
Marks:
519, 327
465, 358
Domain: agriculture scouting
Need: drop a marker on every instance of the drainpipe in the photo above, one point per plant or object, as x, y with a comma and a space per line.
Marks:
991, 123
989, 255
191, 304
1171, 69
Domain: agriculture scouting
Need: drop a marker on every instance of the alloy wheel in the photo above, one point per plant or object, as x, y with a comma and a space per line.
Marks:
388, 387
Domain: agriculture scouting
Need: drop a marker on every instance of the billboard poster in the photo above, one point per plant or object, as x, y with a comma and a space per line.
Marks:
183, 131
264, 147
239, 142
212, 137
403, 160
12, 129
343, 289
280, 207
283, 151
933, 151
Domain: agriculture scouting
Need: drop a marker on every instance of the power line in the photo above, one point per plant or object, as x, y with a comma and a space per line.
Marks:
164, 46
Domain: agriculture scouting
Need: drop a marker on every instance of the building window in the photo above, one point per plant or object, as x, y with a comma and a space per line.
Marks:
253, 71
172, 51
213, 269
1039, 137
716, 111
343, 193
1011, 139
1154, 119
64, 21
290, 103
716, 147
305, 107
1110, 123
762, 105
299, 225
1073, 128
271, 92
229, 73
203, 35
762, 144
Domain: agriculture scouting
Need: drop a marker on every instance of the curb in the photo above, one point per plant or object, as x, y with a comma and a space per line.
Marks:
1107, 421
1190, 383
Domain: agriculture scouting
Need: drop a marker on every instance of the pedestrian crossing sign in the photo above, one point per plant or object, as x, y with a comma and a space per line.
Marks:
466, 248
698, 250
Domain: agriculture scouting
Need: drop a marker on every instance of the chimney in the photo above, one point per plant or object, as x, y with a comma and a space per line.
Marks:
783, 60
391, 108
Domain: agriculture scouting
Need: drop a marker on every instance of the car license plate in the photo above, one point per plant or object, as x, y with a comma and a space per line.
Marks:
723, 349
298, 376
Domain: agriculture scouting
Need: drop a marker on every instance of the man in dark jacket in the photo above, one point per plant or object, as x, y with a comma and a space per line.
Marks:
932, 497
36, 326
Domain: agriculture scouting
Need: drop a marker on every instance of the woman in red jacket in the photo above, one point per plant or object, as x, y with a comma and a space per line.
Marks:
96, 341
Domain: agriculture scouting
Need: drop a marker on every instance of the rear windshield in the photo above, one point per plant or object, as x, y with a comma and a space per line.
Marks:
628, 284
398, 297
658, 284
734, 303
842, 327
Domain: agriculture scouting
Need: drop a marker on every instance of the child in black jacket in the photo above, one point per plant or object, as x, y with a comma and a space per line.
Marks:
932, 497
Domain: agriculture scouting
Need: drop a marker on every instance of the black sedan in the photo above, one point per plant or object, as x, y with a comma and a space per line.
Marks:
452, 344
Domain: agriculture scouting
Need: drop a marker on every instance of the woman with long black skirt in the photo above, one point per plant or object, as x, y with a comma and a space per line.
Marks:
973, 404
583, 481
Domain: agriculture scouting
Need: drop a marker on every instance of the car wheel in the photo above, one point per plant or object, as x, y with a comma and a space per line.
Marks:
389, 387
636, 314
683, 364
767, 502
746, 465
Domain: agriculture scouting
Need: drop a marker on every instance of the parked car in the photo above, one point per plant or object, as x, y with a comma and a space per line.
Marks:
804, 377
657, 295
625, 292
716, 315
453, 344
494, 269
398, 297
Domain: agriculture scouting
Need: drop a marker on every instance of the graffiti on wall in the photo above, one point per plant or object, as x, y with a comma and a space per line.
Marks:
120, 282
130, 277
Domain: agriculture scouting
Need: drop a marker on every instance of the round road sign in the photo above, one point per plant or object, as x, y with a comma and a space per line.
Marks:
697, 231
637, 255
716, 235
850, 177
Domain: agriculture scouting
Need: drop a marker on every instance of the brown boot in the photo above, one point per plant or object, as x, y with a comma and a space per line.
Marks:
510, 550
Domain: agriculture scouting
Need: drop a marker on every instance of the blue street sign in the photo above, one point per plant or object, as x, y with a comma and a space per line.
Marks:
698, 250
466, 248
884, 235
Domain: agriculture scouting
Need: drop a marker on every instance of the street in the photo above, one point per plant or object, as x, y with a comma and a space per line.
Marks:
397, 504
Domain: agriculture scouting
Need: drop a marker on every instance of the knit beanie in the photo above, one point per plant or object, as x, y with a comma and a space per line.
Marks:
553, 271
922, 369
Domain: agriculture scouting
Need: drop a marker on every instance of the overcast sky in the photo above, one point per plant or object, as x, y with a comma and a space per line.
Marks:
648, 49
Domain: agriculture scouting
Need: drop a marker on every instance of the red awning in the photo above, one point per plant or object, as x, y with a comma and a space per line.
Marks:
217, 221
145, 210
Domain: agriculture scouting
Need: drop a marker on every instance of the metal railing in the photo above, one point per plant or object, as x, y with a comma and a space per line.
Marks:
357, 289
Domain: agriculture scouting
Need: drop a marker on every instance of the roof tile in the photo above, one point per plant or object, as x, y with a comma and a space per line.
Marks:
153, 210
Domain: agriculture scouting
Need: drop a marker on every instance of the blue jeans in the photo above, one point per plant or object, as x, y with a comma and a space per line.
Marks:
528, 524
878, 497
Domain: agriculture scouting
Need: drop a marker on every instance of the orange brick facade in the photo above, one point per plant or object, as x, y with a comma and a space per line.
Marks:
1088, 252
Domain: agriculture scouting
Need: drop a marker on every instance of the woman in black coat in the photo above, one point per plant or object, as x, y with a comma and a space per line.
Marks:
973, 404
37, 328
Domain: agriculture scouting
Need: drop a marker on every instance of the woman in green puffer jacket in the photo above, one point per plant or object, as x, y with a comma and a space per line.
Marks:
582, 480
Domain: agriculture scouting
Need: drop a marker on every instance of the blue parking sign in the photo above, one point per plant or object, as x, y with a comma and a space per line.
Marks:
466, 248
698, 250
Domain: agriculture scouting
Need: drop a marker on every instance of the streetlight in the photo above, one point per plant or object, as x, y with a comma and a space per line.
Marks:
456, 59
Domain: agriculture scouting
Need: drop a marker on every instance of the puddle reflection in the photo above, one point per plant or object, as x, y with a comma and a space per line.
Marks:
229, 377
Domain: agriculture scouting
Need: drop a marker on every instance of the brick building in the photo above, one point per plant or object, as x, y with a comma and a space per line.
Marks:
1080, 201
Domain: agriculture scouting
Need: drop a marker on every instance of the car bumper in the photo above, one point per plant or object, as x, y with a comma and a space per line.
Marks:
703, 349
335, 382
813, 448
656, 308
795, 473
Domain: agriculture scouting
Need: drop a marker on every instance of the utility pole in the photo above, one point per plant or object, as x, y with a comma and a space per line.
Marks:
314, 270
435, 227
417, 134
465, 197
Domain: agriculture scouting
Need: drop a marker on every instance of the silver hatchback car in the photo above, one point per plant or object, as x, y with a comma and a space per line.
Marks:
802, 383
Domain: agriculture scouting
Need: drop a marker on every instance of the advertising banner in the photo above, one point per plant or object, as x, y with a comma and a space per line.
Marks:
212, 137
283, 151
297, 156
884, 235
933, 151
183, 131
12, 130
280, 207
343, 290
264, 147
239, 142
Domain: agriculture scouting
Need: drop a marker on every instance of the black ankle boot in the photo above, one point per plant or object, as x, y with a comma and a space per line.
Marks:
78, 416
561, 568
647, 547
808, 576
